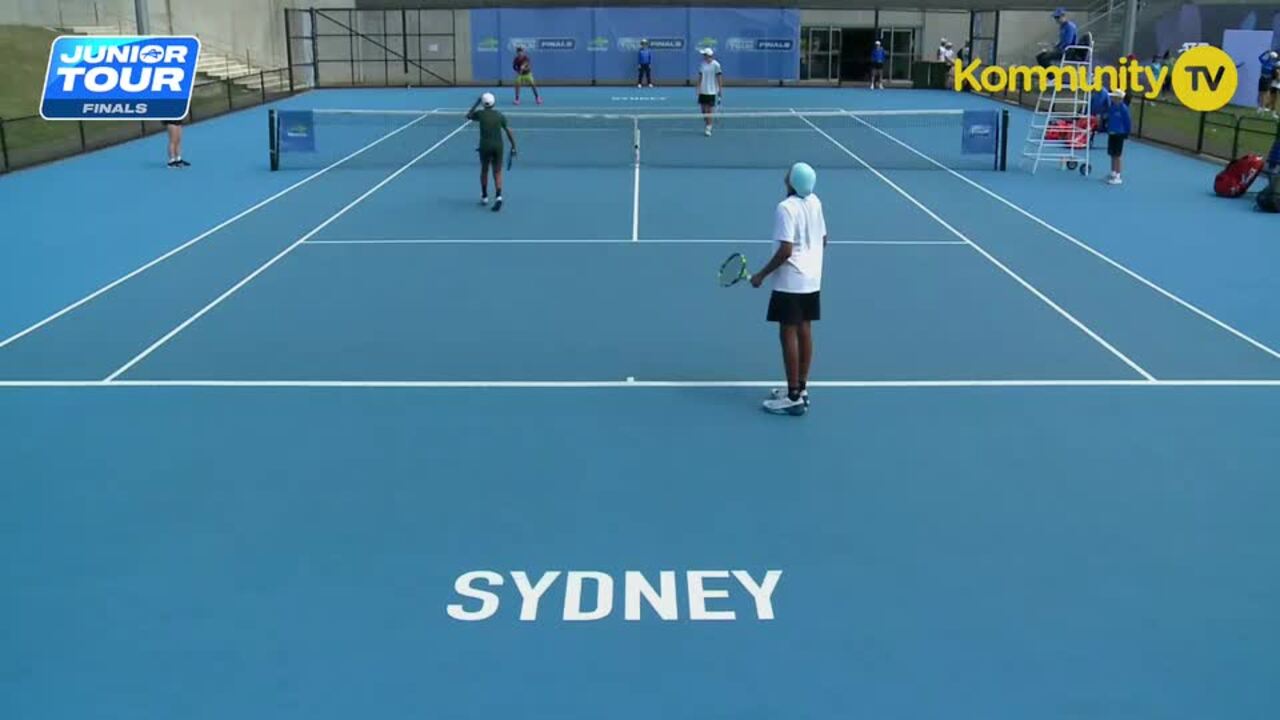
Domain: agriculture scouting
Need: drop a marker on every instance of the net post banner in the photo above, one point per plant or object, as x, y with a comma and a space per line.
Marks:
297, 131
980, 132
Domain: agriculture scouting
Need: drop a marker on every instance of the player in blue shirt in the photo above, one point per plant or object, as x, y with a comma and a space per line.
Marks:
877, 66
1068, 35
1119, 124
644, 59
1268, 81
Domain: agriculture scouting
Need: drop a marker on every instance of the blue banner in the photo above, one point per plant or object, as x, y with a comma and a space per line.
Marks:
981, 132
297, 131
601, 44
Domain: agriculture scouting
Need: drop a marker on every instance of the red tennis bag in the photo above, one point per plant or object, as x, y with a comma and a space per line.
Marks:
1240, 173
1074, 134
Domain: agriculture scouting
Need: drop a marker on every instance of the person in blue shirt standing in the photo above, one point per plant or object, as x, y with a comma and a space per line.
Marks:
645, 60
1267, 81
877, 66
1119, 124
1067, 36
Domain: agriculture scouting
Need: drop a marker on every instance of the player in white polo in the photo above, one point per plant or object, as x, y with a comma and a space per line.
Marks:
709, 85
800, 231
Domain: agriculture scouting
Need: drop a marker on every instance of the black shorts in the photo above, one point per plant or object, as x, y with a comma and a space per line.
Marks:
877, 66
175, 123
490, 156
1264, 84
1115, 145
794, 308
704, 100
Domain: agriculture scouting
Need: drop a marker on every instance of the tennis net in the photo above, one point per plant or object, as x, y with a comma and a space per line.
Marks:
890, 139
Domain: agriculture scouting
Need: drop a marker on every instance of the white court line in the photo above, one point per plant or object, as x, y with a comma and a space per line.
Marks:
604, 241
261, 268
125, 278
1088, 248
1006, 269
635, 198
638, 384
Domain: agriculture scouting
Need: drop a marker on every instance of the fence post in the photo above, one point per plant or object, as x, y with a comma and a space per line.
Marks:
4, 149
404, 39
262, 79
288, 49
84, 144
315, 51
1142, 113
230, 102
1200, 133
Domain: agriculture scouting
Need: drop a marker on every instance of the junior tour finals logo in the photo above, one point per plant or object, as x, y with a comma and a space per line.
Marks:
119, 78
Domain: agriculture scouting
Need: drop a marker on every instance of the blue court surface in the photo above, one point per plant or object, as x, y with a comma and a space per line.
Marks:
337, 443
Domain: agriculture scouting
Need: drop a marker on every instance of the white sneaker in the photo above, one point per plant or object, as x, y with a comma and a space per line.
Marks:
650, 84
638, 85
708, 131
785, 406
781, 393
484, 200
1114, 179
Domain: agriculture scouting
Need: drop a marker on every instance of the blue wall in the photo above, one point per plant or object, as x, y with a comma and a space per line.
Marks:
584, 44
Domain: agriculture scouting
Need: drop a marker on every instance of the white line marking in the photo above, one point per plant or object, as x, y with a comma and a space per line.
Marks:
248, 278
603, 241
1008, 271
125, 278
635, 199
611, 384
1090, 249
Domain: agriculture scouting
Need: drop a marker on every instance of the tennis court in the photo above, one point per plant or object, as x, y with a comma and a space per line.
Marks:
257, 424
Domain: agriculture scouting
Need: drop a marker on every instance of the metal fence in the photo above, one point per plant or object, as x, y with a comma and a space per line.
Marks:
345, 47
1222, 134
31, 140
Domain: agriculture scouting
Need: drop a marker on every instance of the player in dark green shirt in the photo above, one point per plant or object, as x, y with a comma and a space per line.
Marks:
492, 126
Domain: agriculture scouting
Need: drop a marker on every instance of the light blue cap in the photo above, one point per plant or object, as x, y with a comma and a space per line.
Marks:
803, 178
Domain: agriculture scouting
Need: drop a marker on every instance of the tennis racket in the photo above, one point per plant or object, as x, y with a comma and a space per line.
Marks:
511, 157
734, 270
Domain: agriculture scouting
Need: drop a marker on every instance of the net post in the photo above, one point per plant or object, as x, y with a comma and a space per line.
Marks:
273, 138
1003, 156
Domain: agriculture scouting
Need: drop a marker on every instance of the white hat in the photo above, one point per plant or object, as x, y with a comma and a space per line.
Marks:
1115, 92
707, 51
488, 100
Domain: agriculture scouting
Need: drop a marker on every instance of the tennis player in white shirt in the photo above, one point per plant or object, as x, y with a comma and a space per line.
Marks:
709, 85
800, 231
